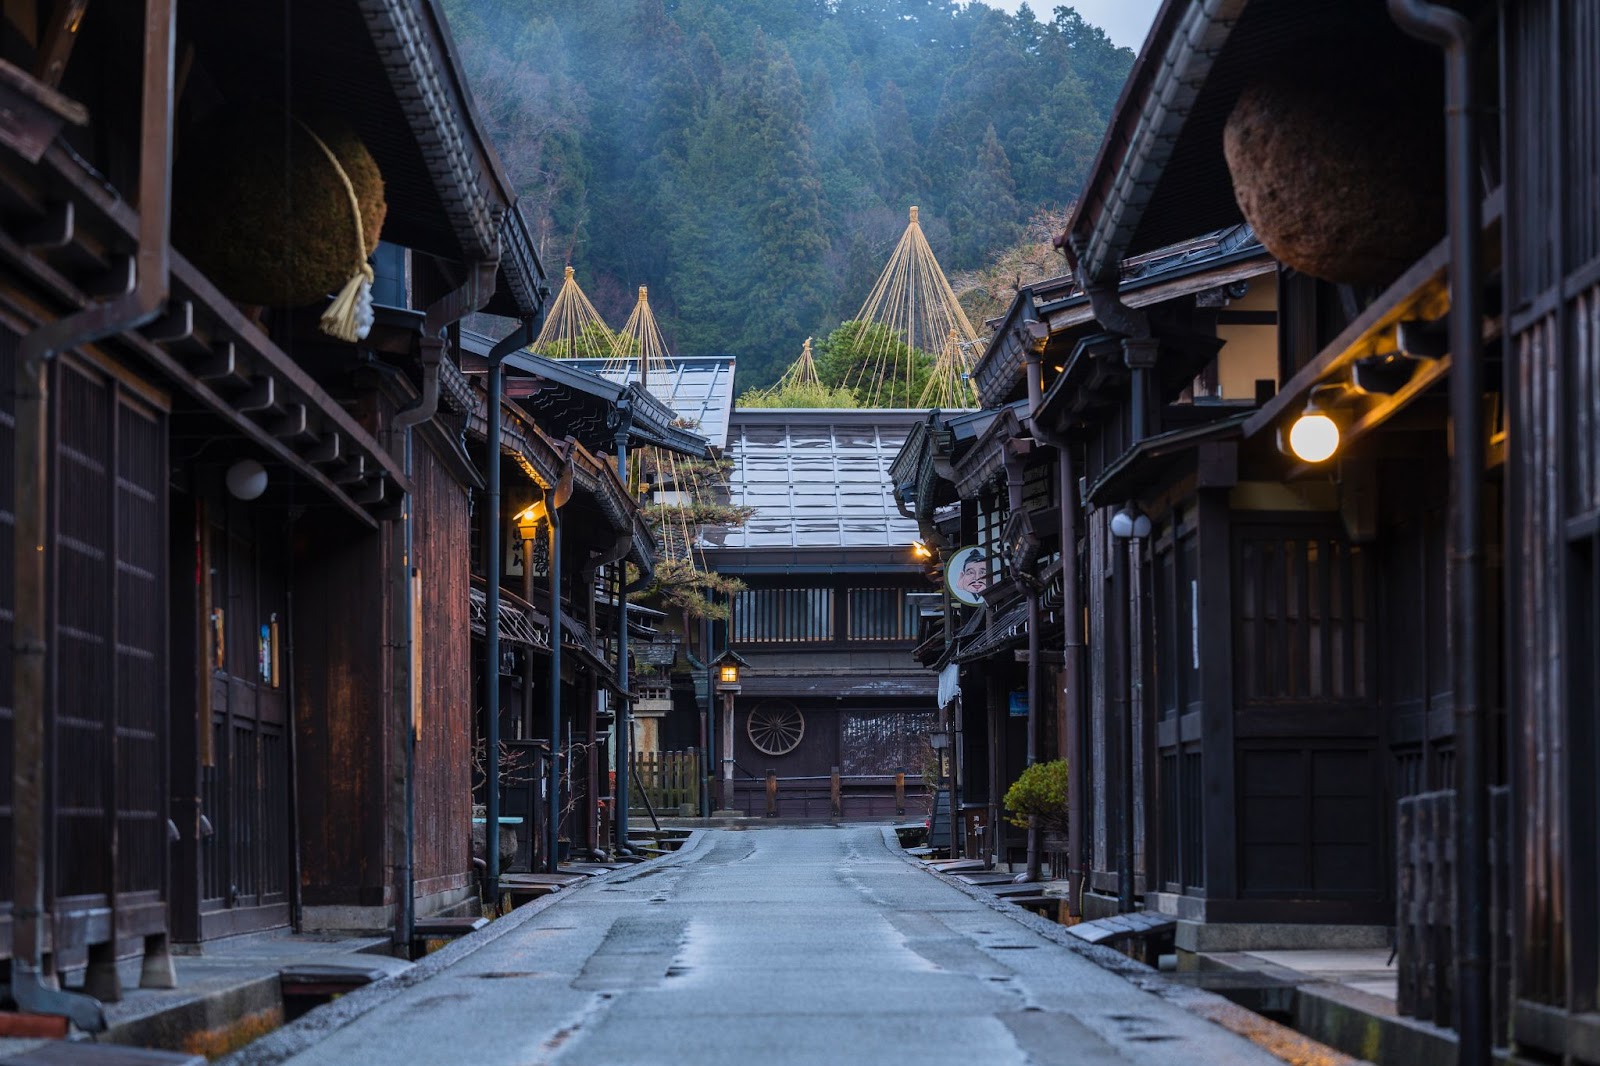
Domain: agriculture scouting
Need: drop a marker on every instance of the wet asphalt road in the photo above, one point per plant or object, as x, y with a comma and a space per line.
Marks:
776, 946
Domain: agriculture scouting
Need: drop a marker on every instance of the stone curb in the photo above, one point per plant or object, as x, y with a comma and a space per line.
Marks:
1278, 1040
306, 1032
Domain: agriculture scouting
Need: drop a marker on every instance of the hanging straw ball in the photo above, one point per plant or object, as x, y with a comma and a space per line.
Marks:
263, 211
1341, 171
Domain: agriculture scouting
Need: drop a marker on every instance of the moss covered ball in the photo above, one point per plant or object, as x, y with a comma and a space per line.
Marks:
261, 210
1341, 173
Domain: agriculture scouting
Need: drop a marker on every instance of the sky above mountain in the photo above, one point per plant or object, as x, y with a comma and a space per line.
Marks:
1125, 21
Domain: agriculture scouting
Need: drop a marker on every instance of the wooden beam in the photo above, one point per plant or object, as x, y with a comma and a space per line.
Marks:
60, 34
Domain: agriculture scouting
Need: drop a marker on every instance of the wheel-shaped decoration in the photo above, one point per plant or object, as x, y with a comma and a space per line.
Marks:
776, 728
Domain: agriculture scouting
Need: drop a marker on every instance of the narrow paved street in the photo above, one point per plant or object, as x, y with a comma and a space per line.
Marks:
784, 945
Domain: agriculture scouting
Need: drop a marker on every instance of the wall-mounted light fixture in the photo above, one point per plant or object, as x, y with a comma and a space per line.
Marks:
246, 479
1314, 436
1130, 521
921, 551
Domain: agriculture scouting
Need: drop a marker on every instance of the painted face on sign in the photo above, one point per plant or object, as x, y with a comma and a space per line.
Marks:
973, 578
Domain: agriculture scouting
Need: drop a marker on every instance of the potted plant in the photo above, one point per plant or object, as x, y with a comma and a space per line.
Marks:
1041, 793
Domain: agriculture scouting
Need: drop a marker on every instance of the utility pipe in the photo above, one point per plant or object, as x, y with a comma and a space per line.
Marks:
1014, 503
1452, 32
1140, 351
491, 648
553, 820
1135, 714
624, 716
30, 640
1073, 719
439, 316
1123, 597
1069, 720
492, 568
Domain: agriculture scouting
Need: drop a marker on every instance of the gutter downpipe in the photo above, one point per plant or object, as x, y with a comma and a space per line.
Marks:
1070, 718
30, 640
624, 715
553, 815
438, 317
1139, 352
493, 564
1033, 872
1452, 32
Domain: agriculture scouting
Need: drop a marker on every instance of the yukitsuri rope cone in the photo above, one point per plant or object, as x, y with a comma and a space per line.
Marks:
800, 386
668, 473
686, 493
573, 328
918, 312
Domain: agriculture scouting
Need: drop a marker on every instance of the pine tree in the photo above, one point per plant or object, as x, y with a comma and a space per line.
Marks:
988, 212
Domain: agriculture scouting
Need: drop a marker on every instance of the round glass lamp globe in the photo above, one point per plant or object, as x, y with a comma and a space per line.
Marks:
1314, 437
247, 479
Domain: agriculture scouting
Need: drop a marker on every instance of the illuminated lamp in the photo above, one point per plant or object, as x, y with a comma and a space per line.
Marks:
1314, 437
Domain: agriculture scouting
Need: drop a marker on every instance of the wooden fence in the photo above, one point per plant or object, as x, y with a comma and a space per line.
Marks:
670, 779
1425, 925
833, 797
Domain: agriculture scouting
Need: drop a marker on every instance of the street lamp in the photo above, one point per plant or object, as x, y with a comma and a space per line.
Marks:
726, 671
528, 522
529, 519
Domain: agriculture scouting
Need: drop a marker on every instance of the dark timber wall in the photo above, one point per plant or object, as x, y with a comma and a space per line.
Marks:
443, 760
343, 673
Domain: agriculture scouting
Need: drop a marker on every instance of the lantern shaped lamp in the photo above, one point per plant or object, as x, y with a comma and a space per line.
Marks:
727, 666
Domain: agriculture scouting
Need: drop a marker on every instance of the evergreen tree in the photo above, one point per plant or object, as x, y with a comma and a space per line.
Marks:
986, 215
671, 143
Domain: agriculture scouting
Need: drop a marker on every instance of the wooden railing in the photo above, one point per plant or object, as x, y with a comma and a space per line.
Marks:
834, 796
670, 779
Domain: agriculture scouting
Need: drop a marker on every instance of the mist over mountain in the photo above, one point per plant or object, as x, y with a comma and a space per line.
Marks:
753, 161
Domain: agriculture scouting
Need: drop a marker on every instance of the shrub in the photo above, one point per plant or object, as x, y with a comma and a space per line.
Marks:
1041, 791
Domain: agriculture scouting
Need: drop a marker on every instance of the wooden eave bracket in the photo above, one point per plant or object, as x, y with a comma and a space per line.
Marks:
32, 113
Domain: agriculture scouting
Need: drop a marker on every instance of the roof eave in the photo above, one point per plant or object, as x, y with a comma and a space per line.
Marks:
1183, 44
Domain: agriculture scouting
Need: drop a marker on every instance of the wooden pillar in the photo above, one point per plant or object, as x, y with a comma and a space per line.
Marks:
997, 711
1215, 612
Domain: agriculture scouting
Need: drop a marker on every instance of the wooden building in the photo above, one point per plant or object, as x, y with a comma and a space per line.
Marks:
605, 532
1344, 695
253, 582
832, 605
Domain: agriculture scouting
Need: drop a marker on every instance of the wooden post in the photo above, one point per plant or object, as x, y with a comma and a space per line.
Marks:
835, 800
772, 793
900, 792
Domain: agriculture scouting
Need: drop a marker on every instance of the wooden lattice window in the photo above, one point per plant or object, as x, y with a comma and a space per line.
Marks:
1301, 611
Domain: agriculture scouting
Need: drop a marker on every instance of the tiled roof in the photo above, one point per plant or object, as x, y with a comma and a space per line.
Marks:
698, 388
817, 478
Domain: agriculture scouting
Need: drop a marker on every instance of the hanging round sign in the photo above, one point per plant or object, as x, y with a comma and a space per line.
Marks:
967, 574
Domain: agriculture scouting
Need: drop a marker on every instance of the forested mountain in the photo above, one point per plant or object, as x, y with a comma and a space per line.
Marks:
752, 161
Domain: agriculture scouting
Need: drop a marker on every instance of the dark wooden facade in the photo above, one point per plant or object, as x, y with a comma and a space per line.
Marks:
229, 681
1552, 302
443, 787
830, 610
1272, 730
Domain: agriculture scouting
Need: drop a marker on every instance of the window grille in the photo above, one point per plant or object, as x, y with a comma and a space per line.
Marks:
775, 616
881, 614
